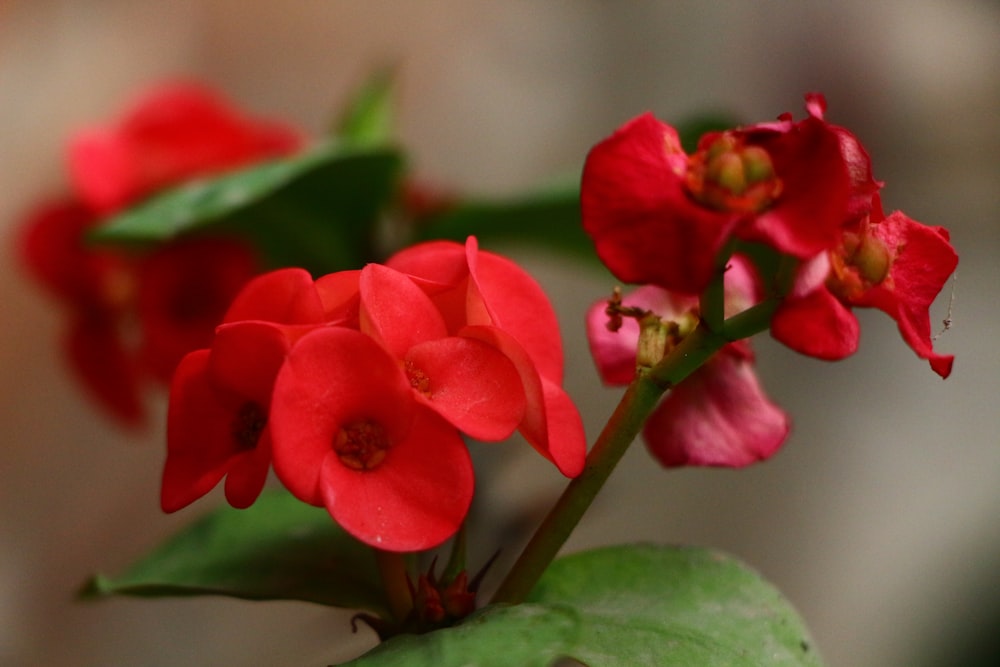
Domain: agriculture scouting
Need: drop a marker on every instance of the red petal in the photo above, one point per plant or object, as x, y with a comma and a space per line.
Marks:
807, 217
339, 294
634, 205
248, 472
184, 289
415, 499
100, 361
506, 297
719, 416
396, 312
551, 423
471, 384
817, 325
174, 132
924, 261
199, 435
331, 377
246, 357
285, 296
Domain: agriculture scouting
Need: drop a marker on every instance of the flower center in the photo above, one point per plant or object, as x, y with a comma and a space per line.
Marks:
418, 379
361, 445
858, 264
247, 426
729, 176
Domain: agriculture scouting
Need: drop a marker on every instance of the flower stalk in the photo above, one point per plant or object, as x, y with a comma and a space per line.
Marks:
621, 430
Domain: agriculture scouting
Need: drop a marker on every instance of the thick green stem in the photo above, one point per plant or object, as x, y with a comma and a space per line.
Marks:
624, 425
396, 581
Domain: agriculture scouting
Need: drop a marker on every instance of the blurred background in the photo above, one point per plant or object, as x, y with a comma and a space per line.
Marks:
880, 519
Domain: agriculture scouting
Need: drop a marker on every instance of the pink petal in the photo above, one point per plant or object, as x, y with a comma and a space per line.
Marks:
719, 416
614, 352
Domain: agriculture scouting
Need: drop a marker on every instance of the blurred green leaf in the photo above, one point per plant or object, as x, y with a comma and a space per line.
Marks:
278, 549
367, 120
624, 605
317, 209
548, 218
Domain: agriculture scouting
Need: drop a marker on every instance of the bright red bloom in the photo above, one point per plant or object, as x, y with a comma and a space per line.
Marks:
220, 398
217, 423
132, 317
350, 435
470, 383
719, 416
487, 297
891, 263
174, 133
659, 216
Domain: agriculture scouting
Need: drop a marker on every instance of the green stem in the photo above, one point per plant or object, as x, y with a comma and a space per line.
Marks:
624, 425
396, 581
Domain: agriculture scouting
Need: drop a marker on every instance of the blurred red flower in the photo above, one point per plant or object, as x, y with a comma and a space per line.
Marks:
133, 316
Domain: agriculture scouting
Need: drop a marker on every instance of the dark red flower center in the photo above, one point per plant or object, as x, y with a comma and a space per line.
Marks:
247, 426
731, 176
361, 445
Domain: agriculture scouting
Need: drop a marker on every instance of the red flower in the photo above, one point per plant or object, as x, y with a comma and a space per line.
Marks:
97, 289
135, 316
220, 398
659, 216
350, 435
174, 133
891, 263
470, 383
487, 297
719, 416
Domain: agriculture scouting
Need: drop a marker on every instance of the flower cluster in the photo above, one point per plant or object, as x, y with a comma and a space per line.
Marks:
803, 190
133, 316
358, 385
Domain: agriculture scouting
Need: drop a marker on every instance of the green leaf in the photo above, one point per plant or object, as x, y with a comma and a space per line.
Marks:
367, 121
549, 218
278, 549
317, 209
624, 605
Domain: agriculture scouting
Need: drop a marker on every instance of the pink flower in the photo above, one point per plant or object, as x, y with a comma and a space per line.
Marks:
659, 216
891, 263
718, 416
